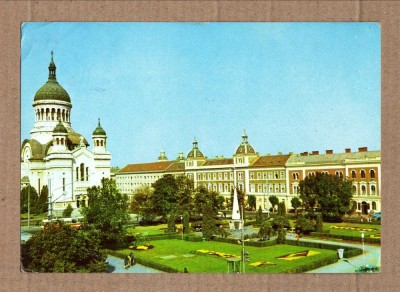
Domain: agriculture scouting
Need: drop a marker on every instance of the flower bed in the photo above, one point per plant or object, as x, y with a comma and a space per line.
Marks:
216, 253
142, 247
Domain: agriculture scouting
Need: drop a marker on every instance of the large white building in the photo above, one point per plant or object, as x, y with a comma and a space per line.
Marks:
263, 175
58, 157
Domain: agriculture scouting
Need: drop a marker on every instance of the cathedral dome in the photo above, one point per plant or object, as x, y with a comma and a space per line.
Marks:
60, 128
195, 152
51, 89
245, 147
99, 131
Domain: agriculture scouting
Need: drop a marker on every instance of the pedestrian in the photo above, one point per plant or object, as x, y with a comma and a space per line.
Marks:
126, 262
132, 258
297, 236
185, 270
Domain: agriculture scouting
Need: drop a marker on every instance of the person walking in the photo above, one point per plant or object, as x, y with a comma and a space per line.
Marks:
126, 262
132, 257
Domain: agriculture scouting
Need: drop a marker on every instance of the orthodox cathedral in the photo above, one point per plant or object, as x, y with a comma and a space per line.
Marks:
58, 157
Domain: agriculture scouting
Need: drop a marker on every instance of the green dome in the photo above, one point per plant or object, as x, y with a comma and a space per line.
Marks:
99, 131
51, 89
60, 128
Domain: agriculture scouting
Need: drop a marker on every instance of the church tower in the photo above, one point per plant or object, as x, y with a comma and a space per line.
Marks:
99, 139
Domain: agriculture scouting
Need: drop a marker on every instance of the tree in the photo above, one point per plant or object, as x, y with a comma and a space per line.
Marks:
185, 223
202, 196
252, 202
165, 196
266, 230
185, 194
332, 195
209, 228
30, 192
67, 211
141, 203
274, 201
43, 201
171, 222
281, 209
62, 249
304, 225
319, 225
259, 216
296, 203
106, 212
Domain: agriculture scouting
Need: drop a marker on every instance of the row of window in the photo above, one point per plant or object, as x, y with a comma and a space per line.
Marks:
52, 114
339, 174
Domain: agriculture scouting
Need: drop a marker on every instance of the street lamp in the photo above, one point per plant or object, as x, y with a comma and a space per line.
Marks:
182, 225
362, 239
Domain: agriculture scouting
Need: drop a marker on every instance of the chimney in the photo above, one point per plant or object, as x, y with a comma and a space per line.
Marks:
329, 151
363, 149
347, 150
315, 153
304, 154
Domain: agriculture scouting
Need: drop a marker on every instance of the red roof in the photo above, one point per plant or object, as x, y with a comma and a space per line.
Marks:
266, 161
152, 166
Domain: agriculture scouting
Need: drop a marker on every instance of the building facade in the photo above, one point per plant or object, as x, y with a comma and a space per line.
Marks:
58, 157
263, 175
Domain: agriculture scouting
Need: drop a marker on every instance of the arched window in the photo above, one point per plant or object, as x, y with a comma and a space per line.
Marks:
373, 205
362, 173
354, 189
372, 173
57, 141
87, 173
82, 172
363, 189
373, 190
353, 174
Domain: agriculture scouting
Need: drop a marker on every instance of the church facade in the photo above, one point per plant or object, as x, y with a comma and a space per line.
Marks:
58, 157
263, 175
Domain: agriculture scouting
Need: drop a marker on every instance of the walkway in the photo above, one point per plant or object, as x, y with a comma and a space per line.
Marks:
371, 256
116, 265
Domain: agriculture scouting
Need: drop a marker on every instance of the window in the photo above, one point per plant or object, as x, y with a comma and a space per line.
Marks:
363, 189
87, 173
373, 205
251, 175
220, 176
259, 175
354, 189
82, 172
264, 175
269, 175
294, 189
373, 190
276, 175
372, 173
225, 176
295, 175
260, 188
63, 184
362, 173
240, 175
282, 174
214, 176
353, 174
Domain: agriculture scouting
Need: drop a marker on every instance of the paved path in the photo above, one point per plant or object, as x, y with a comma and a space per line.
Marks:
116, 265
371, 256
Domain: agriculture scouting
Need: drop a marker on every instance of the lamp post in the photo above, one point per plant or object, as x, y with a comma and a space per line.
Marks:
182, 225
362, 239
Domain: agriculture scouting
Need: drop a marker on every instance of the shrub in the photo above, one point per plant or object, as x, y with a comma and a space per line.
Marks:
67, 211
171, 223
319, 226
266, 230
305, 226
281, 236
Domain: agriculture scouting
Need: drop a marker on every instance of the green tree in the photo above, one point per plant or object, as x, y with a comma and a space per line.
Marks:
259, 216
304, 225
185, 223
331, 193
202, 196
171, 222
209, 221
30, 192
185, 200
281, 209
266, 230
106, 212
62, 249
252, 202
296, 203
274, 201
43, 201
67, 211
141, 203
319, 225
165, 195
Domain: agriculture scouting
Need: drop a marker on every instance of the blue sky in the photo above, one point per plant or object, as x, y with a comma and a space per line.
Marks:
293, 87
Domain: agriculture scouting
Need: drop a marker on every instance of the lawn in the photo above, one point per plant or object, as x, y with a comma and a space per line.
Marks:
177, 254
352, 229
148, 230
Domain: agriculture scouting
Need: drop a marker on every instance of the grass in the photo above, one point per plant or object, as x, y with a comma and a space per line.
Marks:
348, 232
147, 230
184, 255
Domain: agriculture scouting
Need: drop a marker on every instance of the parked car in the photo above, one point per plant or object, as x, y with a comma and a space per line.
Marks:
377, 216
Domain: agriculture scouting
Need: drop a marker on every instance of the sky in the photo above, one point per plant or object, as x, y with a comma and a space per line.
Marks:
293, 87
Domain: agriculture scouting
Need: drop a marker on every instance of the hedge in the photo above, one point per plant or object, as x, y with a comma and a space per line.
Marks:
331, 259
345, 237
348, 251
147, 263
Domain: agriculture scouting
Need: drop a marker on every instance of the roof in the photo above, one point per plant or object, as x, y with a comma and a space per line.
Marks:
74, 138
59, 128
221, 161
51, 89
144, 167
335, 158
176, 166
99, 130
245, 147
275, 160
